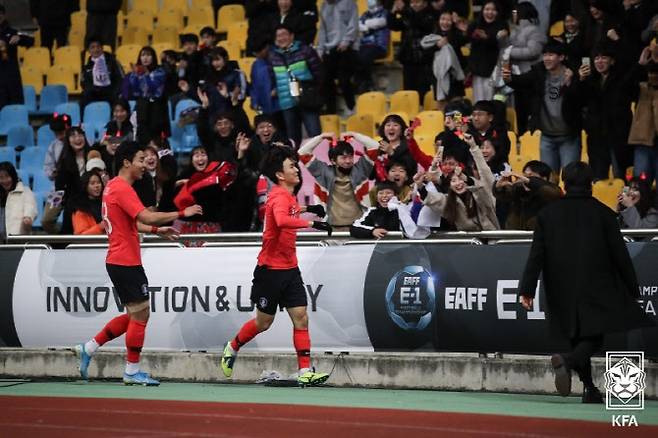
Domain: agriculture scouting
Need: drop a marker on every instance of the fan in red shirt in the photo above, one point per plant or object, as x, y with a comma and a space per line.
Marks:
277, 280
123, 217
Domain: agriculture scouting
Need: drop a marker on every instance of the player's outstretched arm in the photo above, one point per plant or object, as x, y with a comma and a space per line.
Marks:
148, 217
168, 233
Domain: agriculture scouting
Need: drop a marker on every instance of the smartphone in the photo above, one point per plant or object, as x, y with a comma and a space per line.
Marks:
585, 61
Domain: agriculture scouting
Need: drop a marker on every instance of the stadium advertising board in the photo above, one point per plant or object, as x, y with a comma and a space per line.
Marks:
385, 297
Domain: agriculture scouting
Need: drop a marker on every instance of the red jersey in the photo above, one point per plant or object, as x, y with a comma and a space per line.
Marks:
121, 205
280, 231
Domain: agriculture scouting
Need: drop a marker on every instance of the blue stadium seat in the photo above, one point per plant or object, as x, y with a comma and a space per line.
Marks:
94, 131
7, 154
45, 136
41, 183
183, 139
70, 108
97, 113
30, 98
24, 176
20, 135
32, 159
51, 96
41, 203
13, 115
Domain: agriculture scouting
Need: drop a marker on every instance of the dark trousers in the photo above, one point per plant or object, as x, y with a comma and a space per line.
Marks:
51, 34
339, 65
152, 119
363, 68
103, 26
582, 350
97, 94
417, 77
294, 117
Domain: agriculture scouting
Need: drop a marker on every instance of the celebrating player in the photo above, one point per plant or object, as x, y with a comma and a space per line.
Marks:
123, 216
277, 280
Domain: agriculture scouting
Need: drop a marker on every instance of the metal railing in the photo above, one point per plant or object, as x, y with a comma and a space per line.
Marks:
311, 238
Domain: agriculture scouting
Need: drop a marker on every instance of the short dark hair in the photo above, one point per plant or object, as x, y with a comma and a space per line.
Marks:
207, 31
386, 185
392, 118
264, 118
126, 151
218, 52
341, 148
273, 161
485, 105
539, 167
577, 175
284, 26
94, 39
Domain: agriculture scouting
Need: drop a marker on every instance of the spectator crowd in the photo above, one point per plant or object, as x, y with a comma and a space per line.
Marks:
494, 71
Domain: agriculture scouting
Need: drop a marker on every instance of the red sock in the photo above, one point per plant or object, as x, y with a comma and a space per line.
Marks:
113, 329
302, 342
248, 332
135, 339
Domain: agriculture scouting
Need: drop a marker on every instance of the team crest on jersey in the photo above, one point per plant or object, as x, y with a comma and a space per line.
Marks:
262, 302
294, 211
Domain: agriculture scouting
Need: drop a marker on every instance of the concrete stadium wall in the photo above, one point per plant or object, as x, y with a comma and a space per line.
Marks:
441, 371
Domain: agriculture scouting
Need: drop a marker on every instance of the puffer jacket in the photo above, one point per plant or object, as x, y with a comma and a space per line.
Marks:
303, 62
527, 43
20, 203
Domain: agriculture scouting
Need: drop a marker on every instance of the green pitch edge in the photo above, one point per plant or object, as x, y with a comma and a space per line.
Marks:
543, 406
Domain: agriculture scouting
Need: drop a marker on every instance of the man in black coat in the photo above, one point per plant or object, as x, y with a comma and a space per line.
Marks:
11, 87
102, 20
101, 75
589, 279
54, 21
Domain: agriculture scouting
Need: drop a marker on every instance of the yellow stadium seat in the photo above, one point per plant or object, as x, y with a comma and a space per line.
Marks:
469, 94
530, 145
232, 48
511, 119
127, 54
396, 36
362, 6
21, 53
77, 37
583, 147
140, 19
245, 64
362, 123
201, 4
61, 74
37, 38
79, 20
407, 101
181, 5
372, 102
518, 161
426, 143
466, 50
237, 32
170, 17
607, 191
146, 5
557, 29
201, 17
166, 35
135, 35
121, 23
429, 104
38, 57
229, 14
70, 56
431, 122
32, 76
251, 113
161, 47
330, 123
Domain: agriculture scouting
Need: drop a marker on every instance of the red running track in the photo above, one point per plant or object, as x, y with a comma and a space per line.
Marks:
104, 417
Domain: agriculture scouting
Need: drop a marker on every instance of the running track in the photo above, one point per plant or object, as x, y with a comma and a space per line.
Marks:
136, 412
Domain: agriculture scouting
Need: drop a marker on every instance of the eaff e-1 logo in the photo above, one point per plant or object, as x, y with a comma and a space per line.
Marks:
410, 298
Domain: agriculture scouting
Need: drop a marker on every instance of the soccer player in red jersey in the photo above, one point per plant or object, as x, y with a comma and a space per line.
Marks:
277, 280
123, 217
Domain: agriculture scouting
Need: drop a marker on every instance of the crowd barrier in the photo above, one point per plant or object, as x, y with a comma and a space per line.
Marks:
457, 292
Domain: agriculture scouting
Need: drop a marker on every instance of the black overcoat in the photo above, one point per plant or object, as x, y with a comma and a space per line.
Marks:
589, 280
